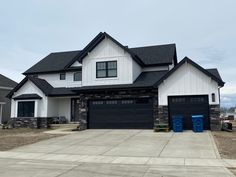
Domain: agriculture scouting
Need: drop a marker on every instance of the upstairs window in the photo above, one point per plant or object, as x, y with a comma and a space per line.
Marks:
106, 69
78, 76
63, 76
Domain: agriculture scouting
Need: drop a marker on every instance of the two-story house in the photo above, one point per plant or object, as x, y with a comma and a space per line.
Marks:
6, 85
109, 85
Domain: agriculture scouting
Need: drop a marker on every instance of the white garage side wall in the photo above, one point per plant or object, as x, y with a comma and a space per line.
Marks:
187, 80
40, 105
107, 51
54, 80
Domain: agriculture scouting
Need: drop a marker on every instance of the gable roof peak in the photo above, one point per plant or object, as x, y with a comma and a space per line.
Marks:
212, 75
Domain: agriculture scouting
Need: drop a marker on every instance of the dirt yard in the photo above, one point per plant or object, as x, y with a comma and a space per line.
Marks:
226, 143
12, 138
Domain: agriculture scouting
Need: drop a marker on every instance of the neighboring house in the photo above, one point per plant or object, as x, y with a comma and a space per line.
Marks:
108, 85
6, 85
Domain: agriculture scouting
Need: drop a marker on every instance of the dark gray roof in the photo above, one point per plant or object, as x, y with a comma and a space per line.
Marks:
27, 96
144, 80
156, 55
145, 56
215, 72
43, 85
6, 82
54, 62
62, 92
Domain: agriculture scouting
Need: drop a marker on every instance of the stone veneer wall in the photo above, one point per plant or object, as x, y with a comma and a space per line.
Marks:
163, 115
31, 122
215, 117
84, 100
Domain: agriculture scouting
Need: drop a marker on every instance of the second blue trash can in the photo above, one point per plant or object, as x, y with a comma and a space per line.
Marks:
177, 123
197, 121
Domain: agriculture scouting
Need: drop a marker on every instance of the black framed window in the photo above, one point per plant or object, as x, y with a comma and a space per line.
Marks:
78, 76
106, 69
213, 97
63, 76
25, 109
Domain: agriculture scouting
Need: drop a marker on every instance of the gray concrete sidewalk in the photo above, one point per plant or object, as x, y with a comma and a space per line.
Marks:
118, 153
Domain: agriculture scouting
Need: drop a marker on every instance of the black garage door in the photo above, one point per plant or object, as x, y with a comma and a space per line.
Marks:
188, 106
121, 114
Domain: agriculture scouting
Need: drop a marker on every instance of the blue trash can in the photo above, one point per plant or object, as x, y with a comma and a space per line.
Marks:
177, 123
197, 122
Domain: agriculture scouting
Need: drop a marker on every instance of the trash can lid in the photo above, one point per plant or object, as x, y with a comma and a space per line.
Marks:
197, 116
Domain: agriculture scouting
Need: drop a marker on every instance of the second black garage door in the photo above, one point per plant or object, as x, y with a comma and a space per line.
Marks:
121, 114
188, 106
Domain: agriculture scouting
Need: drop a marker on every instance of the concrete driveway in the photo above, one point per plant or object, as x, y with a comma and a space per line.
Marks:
117, 153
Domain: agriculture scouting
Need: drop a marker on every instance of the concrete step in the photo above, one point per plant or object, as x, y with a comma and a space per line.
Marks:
73, 125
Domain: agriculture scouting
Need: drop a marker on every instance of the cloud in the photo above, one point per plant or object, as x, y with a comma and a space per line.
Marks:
228, 100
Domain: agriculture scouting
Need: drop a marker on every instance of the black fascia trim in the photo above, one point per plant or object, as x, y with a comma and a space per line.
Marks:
91, 45
161, 64
17, 87
111, 89
96, 41
58, 71
36, 97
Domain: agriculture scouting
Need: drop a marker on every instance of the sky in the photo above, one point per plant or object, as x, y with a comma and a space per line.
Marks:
203, 30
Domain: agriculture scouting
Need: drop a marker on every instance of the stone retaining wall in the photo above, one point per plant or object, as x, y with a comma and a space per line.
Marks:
31, 122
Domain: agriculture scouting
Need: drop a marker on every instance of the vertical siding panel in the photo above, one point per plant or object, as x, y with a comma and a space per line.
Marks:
187, 80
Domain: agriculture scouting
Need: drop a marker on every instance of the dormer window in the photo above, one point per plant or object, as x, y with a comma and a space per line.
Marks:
106, 69
78, 76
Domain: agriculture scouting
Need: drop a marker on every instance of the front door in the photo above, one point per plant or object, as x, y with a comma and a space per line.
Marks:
74, 110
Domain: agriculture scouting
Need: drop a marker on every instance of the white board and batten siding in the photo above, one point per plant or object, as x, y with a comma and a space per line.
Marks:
45, 107
40, 105
54, 80
127, 69
188, 80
